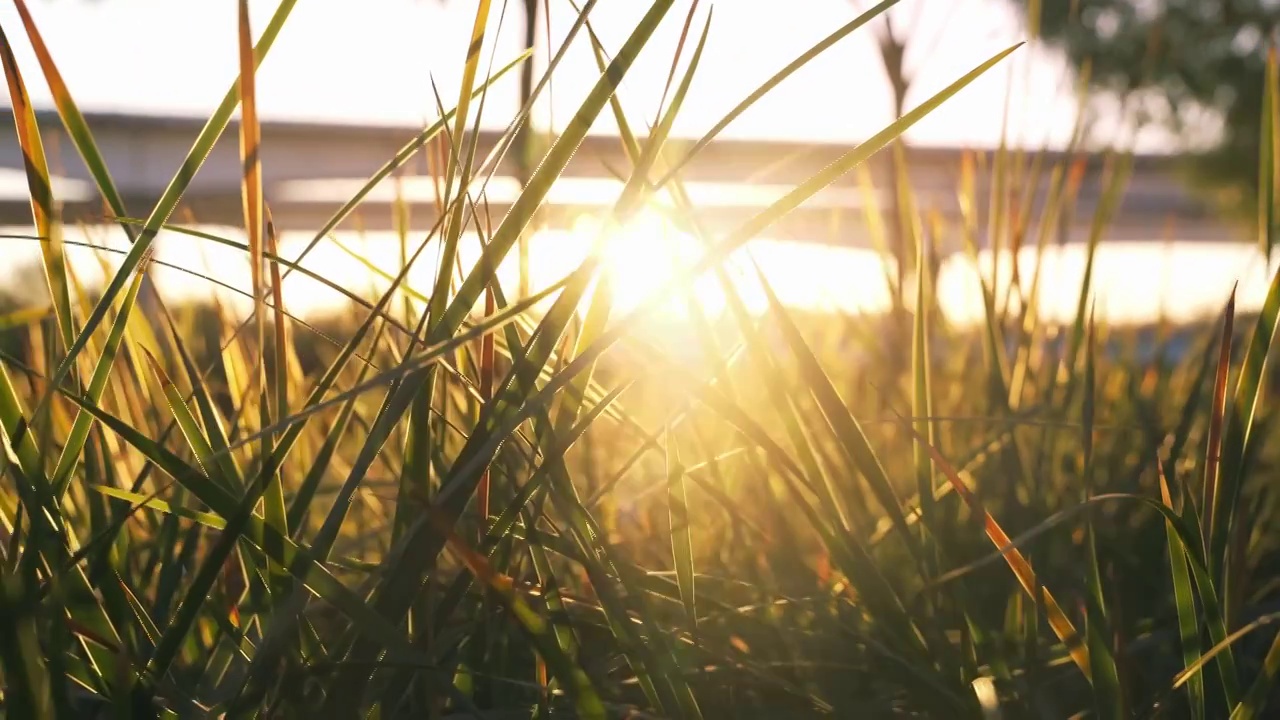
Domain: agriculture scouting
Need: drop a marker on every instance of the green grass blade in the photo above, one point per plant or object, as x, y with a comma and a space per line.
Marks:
1184, 598
164, 208
1108, 693
79, 433
681, 536
1236, 438
299, 561
922, 398
1217, 414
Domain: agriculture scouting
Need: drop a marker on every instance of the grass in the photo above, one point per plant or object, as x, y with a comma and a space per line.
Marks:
449, 502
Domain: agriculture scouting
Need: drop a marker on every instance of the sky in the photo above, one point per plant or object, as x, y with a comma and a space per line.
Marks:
374, 61
377, 61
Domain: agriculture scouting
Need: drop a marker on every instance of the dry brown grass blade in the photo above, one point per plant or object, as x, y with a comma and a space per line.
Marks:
250, 140
40, 190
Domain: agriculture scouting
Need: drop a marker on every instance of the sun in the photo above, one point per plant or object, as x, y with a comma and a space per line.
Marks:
641, 257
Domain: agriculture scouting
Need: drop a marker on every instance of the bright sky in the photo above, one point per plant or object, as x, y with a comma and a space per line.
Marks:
374, 61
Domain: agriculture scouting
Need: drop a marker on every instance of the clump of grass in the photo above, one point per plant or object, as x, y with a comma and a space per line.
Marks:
466, 507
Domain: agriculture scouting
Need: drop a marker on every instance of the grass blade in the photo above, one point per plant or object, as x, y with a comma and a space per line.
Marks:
1236, 438
1184, 598
681, 537
40, 187
1058, 620
164, 208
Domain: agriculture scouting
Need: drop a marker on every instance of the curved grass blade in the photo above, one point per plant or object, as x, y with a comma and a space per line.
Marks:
800, 61
40, 187
72, 119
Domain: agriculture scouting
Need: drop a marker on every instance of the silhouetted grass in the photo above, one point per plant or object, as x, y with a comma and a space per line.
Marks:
465, 505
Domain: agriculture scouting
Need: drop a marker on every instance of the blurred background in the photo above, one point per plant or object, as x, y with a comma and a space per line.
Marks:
1178, 83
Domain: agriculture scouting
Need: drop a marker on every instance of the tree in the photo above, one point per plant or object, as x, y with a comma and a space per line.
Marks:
1167, 62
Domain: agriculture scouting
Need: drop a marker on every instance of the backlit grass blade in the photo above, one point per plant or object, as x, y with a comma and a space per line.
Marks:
1217, 413
1184, 598
921, 394
164, 208
404, 580
802, 60
190, 427
40, 189
14, 422
212, 520
1236, 438
1188, 529
521, 212
453, 229
844, 426
72, 119
681, 535
79, 432
1058, 619
273, 387
251, 163
282, 550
